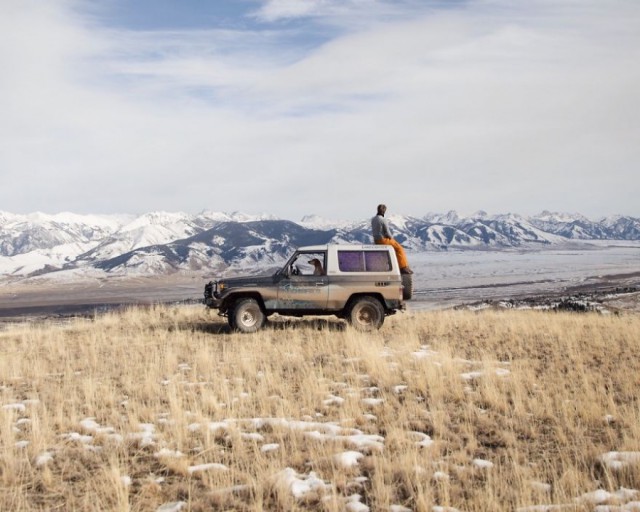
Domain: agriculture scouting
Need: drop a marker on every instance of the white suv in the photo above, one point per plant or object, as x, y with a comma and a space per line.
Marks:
361, 283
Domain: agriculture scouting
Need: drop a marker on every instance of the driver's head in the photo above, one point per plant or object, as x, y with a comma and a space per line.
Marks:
382, 209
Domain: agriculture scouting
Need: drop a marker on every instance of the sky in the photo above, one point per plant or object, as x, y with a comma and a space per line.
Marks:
325, 107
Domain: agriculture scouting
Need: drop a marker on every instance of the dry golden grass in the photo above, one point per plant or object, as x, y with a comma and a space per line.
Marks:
129, 406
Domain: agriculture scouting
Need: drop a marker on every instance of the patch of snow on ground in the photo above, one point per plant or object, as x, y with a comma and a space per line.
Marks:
362, 441
424, 440
171, 454
146, 436
424, 352
622, 495
75, 436
174, 506
90, 425
206, 467
620, 460
348, 459
500, 372
44, 458
14, 407
301, 486
353, 504
622, 500
333, 400
482, 464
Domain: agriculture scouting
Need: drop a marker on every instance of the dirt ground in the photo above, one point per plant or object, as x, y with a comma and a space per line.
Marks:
51, 299
47, 299
608, 293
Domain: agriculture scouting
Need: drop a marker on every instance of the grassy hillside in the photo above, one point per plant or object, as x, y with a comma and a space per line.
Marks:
163, 409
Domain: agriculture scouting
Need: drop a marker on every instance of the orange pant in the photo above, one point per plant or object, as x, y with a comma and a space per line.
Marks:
400, 254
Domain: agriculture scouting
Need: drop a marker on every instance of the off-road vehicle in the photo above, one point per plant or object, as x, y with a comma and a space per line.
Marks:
360, 283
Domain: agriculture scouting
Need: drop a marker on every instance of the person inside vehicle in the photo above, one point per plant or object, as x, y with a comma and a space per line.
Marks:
382, 236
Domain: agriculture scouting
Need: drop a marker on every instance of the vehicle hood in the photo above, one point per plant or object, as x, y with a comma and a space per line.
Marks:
246, 282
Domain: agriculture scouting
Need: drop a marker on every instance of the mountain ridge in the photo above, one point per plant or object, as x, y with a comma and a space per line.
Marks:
167, 242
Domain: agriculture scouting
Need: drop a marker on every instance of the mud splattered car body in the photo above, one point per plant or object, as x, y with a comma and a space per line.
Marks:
361, 283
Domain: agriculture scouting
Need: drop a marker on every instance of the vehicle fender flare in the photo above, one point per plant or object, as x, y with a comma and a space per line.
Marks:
355, 296
229, 301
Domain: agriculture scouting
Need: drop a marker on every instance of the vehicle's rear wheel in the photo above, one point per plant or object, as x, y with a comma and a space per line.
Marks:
407, 284
366, 314
246, 315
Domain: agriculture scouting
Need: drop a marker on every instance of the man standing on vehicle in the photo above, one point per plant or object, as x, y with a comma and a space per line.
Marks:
382, 236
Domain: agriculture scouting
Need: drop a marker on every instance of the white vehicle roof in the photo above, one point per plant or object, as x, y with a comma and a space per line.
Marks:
317, 248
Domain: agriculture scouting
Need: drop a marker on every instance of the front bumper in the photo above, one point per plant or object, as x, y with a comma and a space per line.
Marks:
211, 295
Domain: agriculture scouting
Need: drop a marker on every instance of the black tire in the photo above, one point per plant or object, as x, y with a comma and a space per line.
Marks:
407, 286
247, 316
366, 314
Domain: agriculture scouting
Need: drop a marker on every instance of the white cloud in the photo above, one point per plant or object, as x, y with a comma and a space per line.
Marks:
346, 13
484, 105
274, 10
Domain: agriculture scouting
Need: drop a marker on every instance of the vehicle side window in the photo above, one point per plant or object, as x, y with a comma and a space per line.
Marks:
364, 261
310, 264
377, 261
350, 261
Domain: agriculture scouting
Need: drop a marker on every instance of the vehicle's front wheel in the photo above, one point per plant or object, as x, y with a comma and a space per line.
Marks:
246, 315
366, 314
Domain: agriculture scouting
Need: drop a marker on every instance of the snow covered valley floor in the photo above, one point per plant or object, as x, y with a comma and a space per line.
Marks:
607, 272
162, 409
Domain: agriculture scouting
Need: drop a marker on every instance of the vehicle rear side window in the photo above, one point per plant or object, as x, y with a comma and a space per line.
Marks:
377, 261
364, 261
351, 261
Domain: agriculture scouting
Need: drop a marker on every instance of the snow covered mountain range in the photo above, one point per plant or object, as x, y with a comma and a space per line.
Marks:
73, 245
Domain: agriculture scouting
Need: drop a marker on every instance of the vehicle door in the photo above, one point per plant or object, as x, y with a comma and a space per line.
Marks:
305, 285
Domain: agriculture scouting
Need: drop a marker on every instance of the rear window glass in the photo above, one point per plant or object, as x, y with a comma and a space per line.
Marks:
364, 261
